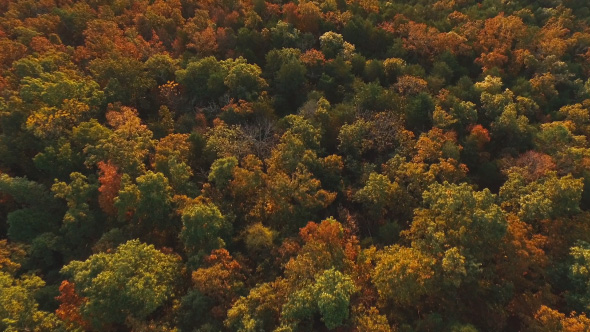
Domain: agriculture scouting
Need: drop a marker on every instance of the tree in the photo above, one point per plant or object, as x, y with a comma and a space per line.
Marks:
243, 80
53, 89
568, 150
161, 18
221, 278
403, 275
329, 295
260, 309
161, 68
457, 216
577, 114
227, 141
148, 204
171, 158
550, 196
19, 309
332, 45
38, 213
127, 146
495, 43
222, 171
259, 238
579, 275
378, 196
124, 80
203, 42
60, 159
372, 320
203, 80
110, 183
52, 122
103, 38
375, 139
283, 35
418, 111
547, 319
204, 228
288, 81
288, 201
246, 184
308, 17
511, 128
327, 245
79, 224
69, 308
131, 282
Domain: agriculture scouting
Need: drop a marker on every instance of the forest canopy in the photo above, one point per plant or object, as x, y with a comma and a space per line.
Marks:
311, 165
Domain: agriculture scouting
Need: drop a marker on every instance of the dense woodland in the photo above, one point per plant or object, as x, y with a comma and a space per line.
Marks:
325, 165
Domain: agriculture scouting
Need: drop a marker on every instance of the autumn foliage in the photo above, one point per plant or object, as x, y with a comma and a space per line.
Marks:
270, 165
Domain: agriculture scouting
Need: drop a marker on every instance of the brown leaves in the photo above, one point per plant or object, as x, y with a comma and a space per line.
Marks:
203, 42
497, 37
547, 319
423, 40
69, 309
10, 256
221, 280
110, 183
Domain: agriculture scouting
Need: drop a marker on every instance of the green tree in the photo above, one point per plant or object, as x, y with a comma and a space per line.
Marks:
204, 228
458, 216
404, 275
550, 196
378, 196
129, 283
259, 310
329, 296
161, 68
222, 171
123, 78
79, 226
203, 80
54, 88
332, 44
38, 213
288, 78
148, 203
579, 273
19, 310
243, 80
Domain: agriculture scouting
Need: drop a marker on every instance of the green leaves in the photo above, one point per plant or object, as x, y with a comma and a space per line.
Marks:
403, 275
329, 296
454, 240
148, 202
458, 216
378, 194
579, 273
131, 282
548, 197
204, 228
333, 291
244, 81
208, 79
18, 308
222, 170
52, 89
